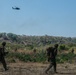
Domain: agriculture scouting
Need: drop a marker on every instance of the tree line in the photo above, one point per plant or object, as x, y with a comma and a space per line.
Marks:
36, 40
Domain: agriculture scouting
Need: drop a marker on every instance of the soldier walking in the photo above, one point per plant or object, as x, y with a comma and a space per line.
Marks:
2, 55
51, 53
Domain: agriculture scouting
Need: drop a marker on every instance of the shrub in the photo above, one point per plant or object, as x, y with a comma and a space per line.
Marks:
65, 57
63, 47
40, 57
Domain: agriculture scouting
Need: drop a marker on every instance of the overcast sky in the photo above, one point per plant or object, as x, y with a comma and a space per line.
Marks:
39, 17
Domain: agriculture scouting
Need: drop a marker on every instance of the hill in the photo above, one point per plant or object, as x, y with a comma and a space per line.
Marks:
35, 40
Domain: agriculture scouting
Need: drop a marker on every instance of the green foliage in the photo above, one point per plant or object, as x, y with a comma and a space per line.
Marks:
36, 40
40, 57
63, 47
30, 47
10, 46
12, 36
65, 57
40, 42
35, 57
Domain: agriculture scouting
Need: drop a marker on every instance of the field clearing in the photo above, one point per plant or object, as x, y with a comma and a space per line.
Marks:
37, 69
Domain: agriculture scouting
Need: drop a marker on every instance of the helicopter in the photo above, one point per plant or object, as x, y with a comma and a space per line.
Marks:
16, 8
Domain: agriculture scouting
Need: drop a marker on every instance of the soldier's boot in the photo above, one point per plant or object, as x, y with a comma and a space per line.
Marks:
48, 68
55, 68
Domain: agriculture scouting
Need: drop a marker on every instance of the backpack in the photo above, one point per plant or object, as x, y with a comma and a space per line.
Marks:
49, 50
1, 51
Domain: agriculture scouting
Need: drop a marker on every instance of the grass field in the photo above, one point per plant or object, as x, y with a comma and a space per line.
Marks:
26, 62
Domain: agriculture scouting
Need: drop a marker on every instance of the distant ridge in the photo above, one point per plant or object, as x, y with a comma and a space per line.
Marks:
37, 40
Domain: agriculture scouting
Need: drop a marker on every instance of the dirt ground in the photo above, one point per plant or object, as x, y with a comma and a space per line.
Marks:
37, 69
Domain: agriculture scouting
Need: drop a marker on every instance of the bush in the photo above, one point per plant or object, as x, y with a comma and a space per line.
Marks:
40, 57
65, 57
63, 47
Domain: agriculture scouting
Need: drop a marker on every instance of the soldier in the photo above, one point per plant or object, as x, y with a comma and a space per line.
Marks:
2, 54
72, 51
51, 53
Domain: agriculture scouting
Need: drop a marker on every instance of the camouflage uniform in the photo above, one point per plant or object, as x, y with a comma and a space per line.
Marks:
2, 54
51, 53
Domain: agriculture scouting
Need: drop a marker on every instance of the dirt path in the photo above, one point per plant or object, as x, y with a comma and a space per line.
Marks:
37, 69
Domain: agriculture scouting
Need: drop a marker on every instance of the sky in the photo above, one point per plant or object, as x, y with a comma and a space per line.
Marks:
39, 17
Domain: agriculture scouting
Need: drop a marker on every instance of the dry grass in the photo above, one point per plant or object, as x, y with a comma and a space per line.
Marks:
37, 69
